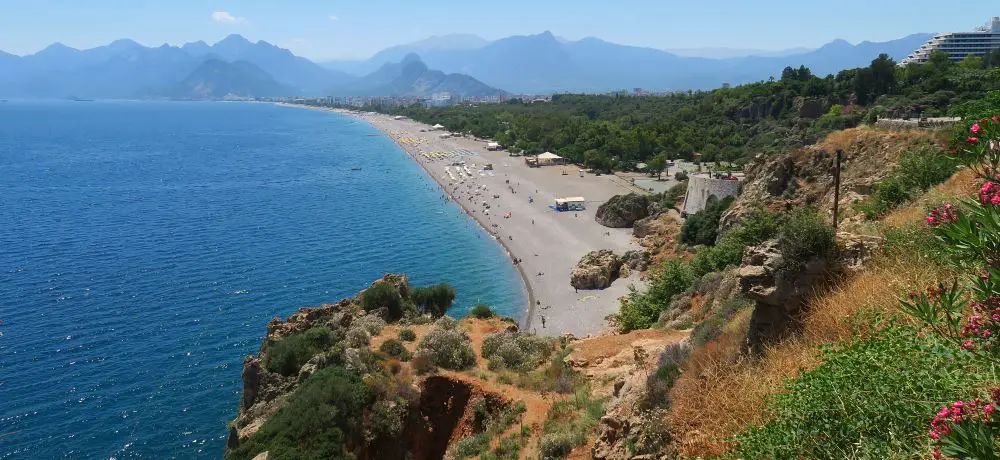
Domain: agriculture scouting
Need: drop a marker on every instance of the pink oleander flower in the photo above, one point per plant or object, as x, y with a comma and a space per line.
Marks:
976, 129
996, 118
972, 140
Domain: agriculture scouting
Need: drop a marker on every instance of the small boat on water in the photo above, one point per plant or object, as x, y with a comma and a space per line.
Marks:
355, 169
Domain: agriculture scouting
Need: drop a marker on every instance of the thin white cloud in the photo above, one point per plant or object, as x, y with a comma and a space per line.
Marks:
334, 17
225, 17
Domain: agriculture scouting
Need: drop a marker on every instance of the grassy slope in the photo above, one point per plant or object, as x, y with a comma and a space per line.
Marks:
721, 395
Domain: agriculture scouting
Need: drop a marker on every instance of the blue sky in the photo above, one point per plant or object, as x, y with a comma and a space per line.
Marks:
329, 29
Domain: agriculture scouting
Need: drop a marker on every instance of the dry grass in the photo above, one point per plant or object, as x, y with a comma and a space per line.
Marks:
722, 392
962, 184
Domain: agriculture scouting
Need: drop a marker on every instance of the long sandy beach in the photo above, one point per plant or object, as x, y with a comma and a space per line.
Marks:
512, 202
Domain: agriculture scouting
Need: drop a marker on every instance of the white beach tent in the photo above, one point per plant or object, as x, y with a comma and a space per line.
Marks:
549, 158
437, 127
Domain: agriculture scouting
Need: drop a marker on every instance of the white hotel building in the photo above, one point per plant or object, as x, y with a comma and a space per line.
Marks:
959, 44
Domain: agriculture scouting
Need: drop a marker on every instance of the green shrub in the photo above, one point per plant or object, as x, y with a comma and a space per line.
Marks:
703, 227
568, 424
357, 337
681, 176
373, 324
756, 228
482, 311
395, 348
557, 445
804, 236
320, 419
472, 446
287, 355
434, 300
916, 172
641, 310
383, 295
869, 399
407, 335
516, 351
448, 347
510, 447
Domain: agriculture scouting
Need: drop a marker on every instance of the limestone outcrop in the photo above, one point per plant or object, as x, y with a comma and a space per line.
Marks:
622, 211
805, 177
596, 270
779, 289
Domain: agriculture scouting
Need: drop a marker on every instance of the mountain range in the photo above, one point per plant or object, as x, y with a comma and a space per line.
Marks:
232, 67
464, 65
545, 63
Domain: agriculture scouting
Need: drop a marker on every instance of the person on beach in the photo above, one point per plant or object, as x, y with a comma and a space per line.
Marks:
543, 321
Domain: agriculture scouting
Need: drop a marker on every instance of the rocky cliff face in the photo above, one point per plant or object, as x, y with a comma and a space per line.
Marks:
805, 177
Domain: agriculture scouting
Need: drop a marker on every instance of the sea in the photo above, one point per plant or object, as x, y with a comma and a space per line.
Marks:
145, 245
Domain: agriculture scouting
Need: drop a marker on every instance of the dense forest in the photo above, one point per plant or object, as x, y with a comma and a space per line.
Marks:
729, 124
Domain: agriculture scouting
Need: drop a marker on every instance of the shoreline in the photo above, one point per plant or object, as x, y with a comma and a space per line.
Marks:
525, 281
537, 239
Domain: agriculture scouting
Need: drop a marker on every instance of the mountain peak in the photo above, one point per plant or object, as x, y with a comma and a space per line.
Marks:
411, 57
234, 39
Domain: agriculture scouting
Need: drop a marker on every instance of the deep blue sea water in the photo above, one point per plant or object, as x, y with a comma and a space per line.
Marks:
144, 246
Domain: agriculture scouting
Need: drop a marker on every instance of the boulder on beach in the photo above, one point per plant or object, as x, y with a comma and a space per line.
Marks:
596, 270
621, 211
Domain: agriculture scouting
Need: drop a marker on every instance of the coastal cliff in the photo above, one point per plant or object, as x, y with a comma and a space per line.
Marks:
385, 375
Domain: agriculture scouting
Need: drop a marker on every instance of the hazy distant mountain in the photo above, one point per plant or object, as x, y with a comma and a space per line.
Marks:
729, 53
126, 69
451, 42
544, 63
289, 69
118, 71
411, 77
217, 79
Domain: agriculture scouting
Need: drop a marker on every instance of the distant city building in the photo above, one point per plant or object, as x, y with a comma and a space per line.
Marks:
959, 45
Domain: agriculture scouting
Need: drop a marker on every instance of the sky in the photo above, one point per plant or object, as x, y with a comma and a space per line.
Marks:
340, 29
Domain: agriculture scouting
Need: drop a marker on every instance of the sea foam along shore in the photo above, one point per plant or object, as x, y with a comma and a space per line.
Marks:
546, 245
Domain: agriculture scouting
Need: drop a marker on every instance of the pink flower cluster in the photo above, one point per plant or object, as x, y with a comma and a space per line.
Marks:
975, 411
942, 215
989, 194
983, 325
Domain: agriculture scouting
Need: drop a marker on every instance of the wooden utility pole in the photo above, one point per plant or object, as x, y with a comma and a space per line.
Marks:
836, 190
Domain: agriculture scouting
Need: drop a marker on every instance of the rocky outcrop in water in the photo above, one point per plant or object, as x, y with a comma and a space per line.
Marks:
621, 211
596, 270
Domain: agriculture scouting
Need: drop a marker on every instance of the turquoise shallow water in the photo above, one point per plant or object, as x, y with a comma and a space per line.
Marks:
144, 246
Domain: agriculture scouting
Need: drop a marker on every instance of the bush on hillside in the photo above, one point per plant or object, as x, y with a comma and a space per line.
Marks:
827, 414
805, 235
516, 350
916, 172
482, 311
371, 323
641, 310
755, 229
319, 421
434, 300
383, 296
407, 335
287, 355
703, 227
395, 348
447, 347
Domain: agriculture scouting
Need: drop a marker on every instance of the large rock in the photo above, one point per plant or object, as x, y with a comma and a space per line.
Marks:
780, 293
621, 211
596, 270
